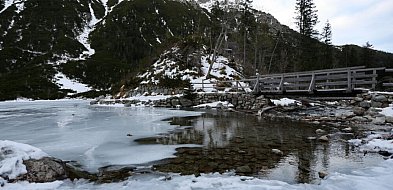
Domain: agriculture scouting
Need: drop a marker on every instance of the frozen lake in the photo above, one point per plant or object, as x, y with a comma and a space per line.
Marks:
207, 142
94, 136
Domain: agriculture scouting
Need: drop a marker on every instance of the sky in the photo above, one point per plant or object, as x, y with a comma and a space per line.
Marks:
353, 21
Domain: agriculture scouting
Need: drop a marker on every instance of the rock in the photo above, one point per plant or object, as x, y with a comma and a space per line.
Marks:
384, 153
347, 130
379, 120
365, 104
311, 138
43, 170
2, 182
358, 99
220, 106
185, 102
175, 102
322, 174
360, 119
244, 169
93, 102
324, 138
111, 174
320, 131
389, 119
380, 98
376, 104
74, 172
359, 111
277, 151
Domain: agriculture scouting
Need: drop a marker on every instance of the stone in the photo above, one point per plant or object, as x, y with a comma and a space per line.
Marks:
244, 169
359, 111
320, 131
380, 98
185, 102
322, 174
324, 138
43, 170
359, 119
358, 99
175, 102
347, 130
312, 138
278, 152
111, 174
375, 104
389, 119
379, 120
365, 104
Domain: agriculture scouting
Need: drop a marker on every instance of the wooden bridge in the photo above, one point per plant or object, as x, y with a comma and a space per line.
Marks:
346, 80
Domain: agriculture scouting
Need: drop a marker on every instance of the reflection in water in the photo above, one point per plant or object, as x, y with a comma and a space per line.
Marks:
244, 143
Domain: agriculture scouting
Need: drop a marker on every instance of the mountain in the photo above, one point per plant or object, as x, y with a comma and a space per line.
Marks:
46, 47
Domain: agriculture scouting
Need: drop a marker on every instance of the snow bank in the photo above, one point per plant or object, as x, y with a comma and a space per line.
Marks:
12, 155
374, 143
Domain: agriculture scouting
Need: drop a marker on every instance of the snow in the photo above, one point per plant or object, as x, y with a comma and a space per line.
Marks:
67, 83
215, 105
284, 102
360, 179
12, 155
374, 142
387, 111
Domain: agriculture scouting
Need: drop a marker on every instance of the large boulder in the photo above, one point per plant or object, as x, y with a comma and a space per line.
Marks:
185, 102
43, 170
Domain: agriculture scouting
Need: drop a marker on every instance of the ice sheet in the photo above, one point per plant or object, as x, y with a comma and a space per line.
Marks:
92, 135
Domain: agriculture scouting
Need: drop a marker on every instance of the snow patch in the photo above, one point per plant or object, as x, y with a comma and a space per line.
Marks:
67, 83
284, 102
218, 104
387, 111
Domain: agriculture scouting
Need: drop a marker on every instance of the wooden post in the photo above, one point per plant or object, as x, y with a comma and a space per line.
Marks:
281, 87
349, 81
374, 79
312, 84
256, 87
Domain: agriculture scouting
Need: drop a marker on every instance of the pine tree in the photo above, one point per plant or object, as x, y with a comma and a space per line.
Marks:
306, 18
247, 23
326, 35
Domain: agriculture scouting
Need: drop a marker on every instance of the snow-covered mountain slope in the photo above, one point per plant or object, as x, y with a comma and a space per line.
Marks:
194, 69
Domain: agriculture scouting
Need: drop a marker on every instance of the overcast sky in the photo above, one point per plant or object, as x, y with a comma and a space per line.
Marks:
353, 21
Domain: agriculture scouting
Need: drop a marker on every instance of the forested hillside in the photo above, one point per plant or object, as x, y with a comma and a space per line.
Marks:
105, 43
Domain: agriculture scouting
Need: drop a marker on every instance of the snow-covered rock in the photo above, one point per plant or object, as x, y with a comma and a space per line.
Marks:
12, 155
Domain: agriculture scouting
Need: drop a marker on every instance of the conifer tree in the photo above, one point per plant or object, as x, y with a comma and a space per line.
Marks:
326, 35
306, 17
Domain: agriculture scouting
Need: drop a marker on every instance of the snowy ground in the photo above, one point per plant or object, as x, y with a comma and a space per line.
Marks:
67, 83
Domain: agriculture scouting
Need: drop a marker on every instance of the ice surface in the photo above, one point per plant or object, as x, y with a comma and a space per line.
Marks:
12, 155
92, 135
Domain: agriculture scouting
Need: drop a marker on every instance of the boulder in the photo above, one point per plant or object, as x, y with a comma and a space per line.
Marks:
277, 151
322, 174
389, 119
244, 169
379, 120
375, 104
380, 98
320, 131
365, 104
359, 111
185, 102
359, 119
111, 174
358, 99
175, 102
324, 138
43, 170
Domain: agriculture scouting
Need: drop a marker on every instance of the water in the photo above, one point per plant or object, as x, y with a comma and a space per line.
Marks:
203, 143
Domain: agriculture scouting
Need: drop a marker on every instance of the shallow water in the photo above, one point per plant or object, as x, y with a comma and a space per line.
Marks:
215, 141
233, 140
